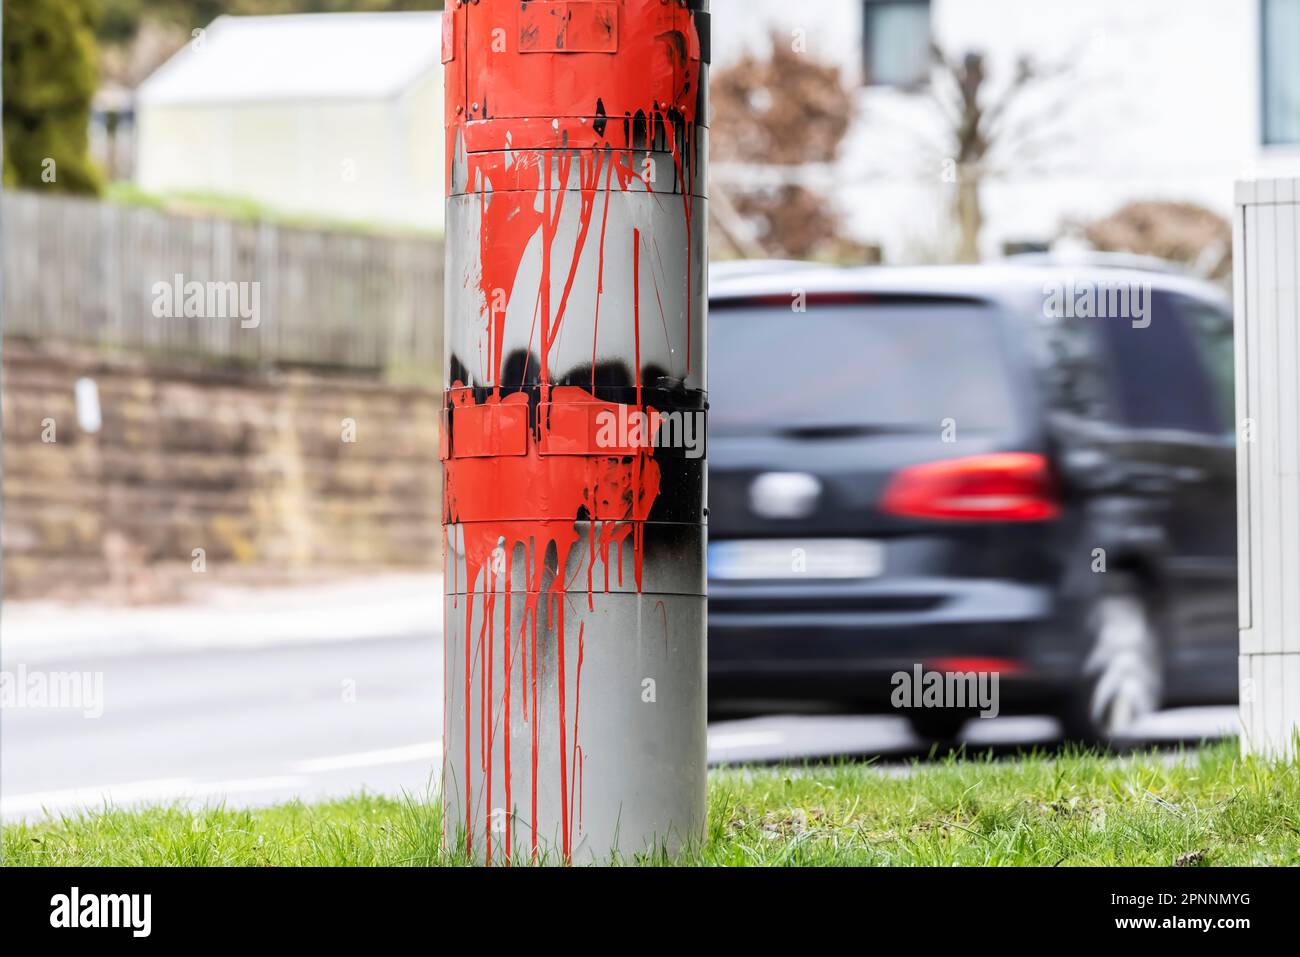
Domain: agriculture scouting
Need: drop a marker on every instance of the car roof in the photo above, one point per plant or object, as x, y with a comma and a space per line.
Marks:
1009, 283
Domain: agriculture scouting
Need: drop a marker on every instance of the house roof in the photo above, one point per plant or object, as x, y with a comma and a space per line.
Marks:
354, 56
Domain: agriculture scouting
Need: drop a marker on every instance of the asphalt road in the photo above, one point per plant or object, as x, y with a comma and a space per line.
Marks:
256, 725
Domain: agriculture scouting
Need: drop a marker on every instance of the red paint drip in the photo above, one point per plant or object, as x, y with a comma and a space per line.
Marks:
469, 807
509, 661
577, 749
600, 275
561, 681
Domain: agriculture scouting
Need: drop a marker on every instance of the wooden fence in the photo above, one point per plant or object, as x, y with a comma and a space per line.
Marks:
92, 273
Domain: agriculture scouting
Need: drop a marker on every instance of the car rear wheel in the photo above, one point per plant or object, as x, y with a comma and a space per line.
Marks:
1123, 677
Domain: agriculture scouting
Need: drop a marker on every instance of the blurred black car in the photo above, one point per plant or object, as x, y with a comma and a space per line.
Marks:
966, 469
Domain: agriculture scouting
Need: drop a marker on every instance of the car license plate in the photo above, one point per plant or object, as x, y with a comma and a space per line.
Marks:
795, 559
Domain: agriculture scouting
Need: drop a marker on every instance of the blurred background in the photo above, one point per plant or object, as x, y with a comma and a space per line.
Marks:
235, 521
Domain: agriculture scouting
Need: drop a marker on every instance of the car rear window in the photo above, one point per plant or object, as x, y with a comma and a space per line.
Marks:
1161, 380
867, 366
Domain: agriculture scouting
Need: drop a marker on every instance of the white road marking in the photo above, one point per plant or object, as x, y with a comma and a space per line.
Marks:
166, 790
725, 741
428, 752
90, 796
156, 791
245, 785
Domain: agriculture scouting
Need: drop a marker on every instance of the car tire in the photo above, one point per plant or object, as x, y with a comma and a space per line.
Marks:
1123, 671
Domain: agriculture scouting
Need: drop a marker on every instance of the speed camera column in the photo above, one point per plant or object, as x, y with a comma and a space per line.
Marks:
573, 436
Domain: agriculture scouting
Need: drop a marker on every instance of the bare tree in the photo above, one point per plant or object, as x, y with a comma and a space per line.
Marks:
772, 115
975, 128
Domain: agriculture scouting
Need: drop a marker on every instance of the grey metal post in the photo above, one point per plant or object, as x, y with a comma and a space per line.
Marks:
573, 434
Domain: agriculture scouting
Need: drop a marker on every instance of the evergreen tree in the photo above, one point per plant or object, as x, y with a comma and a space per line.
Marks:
49, 81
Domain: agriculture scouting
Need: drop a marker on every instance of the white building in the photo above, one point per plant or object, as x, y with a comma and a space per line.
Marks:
334, 115
1165, 99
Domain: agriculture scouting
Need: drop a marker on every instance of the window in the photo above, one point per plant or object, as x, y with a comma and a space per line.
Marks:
874, 366
1280, 65
896, 42
1212, 330
1158, 375
1073, 370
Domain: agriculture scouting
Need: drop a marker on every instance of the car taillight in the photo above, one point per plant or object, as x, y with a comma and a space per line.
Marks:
1002, 666
1000, 487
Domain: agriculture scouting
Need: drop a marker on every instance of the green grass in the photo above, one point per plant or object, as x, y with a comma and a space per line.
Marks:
226, 206
1202, 807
